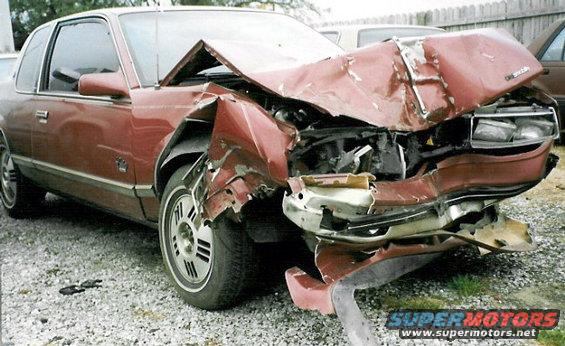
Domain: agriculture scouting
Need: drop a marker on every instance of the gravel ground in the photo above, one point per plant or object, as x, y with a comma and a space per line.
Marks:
136, 304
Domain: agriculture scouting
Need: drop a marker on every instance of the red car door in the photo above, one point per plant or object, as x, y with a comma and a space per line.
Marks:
82, 145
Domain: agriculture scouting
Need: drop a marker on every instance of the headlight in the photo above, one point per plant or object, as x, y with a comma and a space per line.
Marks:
494, 131
533, 128
513, 126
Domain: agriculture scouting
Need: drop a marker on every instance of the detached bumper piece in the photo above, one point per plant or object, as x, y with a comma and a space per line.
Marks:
343, 272
343, 275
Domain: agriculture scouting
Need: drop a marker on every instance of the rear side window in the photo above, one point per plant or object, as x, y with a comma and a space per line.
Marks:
555, 51
31, 61
80, 48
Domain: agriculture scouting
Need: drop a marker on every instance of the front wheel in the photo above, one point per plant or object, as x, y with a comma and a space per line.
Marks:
210, 264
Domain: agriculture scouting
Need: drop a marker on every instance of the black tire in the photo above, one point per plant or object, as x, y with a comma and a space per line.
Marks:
231, 252
20, 197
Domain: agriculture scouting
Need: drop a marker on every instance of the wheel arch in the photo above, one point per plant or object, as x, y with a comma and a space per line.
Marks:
189, 141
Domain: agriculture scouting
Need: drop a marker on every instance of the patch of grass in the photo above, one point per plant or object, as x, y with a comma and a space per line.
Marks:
425, 303
554, 337
467, 286
24, 291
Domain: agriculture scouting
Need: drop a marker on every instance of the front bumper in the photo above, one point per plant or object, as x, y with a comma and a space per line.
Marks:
360, 212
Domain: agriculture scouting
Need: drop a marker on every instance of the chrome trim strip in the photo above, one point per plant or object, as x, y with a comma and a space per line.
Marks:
137, 191
107, 184
514, 114
144, 191
22, 160
130, 57
108, 100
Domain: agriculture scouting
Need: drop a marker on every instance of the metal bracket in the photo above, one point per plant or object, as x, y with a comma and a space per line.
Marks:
358, 329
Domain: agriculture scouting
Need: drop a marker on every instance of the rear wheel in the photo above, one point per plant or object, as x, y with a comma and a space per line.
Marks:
210, 264
20, 197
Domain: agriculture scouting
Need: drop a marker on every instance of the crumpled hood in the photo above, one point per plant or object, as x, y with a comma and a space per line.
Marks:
407, 84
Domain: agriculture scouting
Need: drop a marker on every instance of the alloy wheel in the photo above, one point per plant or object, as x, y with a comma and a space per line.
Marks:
191, 240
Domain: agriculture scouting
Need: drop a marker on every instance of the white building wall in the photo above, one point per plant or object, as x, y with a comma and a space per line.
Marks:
6, 35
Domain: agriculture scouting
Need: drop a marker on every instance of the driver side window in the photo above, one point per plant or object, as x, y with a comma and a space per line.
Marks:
80, 48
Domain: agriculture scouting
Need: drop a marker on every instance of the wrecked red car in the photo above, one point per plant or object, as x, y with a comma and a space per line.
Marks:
228, 127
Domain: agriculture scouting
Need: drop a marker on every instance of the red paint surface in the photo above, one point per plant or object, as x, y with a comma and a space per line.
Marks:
461, 71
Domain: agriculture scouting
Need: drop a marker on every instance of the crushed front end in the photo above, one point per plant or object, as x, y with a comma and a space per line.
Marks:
366, 187
376, 204
387, 155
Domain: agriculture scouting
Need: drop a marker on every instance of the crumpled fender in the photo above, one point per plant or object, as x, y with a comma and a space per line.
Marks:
248, 154
248, 151
406, 84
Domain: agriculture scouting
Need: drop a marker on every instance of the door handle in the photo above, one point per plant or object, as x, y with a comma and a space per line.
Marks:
546, 71
42, 116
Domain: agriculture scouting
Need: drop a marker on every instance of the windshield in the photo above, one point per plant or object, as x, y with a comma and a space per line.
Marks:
370, 36
6, 66
180, 30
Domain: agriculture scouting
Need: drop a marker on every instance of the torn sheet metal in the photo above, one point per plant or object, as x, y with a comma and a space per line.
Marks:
336, 262
404, 85
426, 202
503, 235
463, 172
248, 154
343, 272
248, 150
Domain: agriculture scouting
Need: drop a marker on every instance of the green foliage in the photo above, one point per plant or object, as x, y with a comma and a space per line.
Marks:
424, 303
466, 285
29, 14
555, 337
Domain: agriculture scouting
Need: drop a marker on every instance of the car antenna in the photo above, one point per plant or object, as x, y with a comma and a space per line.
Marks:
157, 10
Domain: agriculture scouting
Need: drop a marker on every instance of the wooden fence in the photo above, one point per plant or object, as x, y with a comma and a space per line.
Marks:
525, 19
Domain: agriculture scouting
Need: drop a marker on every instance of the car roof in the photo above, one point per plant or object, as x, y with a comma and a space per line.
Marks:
116, 11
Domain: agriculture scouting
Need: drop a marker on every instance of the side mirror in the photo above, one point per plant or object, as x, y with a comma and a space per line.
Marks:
103, 84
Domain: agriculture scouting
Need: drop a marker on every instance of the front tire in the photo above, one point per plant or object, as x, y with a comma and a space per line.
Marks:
20, 197
210, 264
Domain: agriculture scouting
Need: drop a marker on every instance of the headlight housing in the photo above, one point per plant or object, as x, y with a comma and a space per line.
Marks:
513, 126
